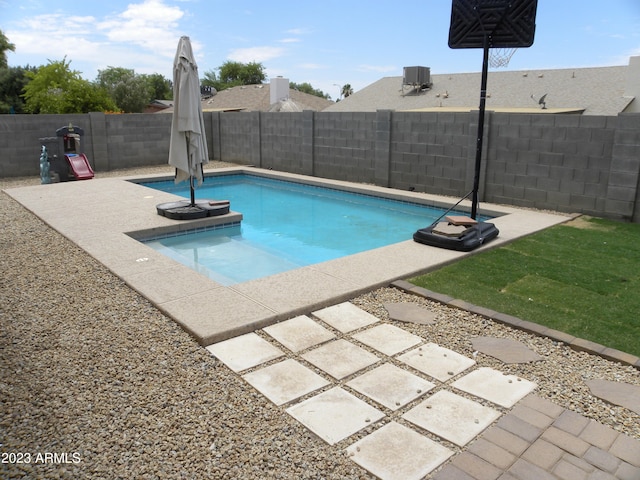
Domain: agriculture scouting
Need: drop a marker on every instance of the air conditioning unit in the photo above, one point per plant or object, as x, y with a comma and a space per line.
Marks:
416, 76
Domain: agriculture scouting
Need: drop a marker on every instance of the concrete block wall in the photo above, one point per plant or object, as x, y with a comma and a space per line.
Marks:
19, 144
568, 163
240, 138
281, 141
344, 146
431, 152
136, 140
556, 162
624, 180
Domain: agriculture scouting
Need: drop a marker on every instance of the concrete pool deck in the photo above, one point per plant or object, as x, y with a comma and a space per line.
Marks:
106, 217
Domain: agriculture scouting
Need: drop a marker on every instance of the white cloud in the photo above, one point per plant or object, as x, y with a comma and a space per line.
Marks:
377, 68
289, 40
142, 37
255, 54
297, 31
150, 24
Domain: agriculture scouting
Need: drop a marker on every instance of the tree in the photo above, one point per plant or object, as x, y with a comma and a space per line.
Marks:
346, 90
130, 92
233, 74
12, 83
210, 80
161, 88
252, 74
55, 88
4, 46
307, 88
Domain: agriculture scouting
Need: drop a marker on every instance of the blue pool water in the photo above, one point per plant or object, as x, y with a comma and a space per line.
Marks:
286, 225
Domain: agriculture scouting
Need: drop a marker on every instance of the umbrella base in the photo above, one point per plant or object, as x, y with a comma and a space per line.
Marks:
183, 210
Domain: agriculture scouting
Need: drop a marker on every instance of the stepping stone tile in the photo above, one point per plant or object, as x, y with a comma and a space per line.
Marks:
497, 387
285, 381
618, 393
388, 339
395, 452
410, 313
390, 386
506, 350
299, 333
340, 358
436, 361
244, 352
345, 317
335, 414
452, 417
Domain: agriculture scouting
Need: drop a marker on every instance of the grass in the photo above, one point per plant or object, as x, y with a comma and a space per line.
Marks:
582, 278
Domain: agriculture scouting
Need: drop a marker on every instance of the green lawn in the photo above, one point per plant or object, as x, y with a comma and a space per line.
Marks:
582, 278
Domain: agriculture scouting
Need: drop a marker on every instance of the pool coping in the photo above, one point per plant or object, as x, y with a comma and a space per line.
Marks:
105, 217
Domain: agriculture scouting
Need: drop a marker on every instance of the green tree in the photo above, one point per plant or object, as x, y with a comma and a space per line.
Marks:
252, 74
346, 90
130, 92
233, 74
307, 88
12, 83
5, 46
161, 88
210, 80
55, 88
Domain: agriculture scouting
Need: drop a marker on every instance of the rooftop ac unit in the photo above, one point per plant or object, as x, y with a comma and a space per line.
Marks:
416, 76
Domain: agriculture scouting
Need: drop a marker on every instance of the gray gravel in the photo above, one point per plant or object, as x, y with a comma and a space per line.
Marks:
92, 370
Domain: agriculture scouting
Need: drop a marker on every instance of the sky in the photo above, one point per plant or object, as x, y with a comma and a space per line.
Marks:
327, 44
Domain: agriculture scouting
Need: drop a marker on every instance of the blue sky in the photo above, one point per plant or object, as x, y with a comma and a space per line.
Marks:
326, 44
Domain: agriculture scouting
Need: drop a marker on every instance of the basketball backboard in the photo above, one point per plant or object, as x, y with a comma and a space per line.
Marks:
504, 23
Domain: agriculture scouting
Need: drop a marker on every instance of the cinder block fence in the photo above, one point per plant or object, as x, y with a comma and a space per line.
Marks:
567, 163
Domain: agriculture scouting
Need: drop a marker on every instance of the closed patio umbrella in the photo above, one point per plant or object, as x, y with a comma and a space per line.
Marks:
188, 144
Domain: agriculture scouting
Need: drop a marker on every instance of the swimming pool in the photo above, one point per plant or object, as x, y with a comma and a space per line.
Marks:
286, 225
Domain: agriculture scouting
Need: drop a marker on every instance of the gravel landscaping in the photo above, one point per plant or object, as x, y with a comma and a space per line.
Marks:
109, 387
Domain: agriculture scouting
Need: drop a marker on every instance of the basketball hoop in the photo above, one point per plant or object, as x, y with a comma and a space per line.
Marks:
499, 57
499, 27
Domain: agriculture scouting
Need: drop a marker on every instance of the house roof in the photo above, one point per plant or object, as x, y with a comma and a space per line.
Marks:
249, 98
592, 91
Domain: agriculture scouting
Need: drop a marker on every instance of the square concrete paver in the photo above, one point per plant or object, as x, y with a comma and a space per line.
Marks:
388, 339
436, 361
495, 386
244, 352
335, 414
285, 381
340, 358
390, 386
345, 317
395, 452
452, 417
299, 333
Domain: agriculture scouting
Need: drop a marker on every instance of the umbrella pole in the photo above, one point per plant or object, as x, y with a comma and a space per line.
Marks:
191, 189
193, 193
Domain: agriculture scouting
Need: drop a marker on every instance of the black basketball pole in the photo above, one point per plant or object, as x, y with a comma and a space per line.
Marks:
483, 101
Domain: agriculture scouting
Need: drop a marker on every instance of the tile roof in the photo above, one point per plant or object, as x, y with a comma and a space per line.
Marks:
595, 91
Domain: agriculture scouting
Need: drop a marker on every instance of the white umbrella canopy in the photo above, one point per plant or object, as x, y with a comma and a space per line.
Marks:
188, 144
